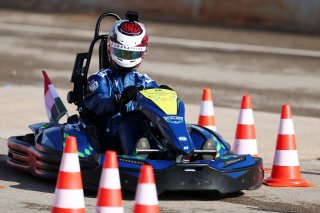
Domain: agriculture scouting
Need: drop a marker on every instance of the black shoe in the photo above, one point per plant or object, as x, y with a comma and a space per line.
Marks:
208, 145
142, 144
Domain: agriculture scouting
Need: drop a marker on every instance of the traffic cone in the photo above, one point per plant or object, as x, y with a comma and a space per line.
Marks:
146, 199
109, 194
245, 139
286, 167
206, 117
69, 195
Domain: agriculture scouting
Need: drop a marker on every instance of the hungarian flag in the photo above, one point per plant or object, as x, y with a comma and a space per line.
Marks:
54, 106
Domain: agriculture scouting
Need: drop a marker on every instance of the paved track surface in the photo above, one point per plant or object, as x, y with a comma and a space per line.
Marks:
271, 79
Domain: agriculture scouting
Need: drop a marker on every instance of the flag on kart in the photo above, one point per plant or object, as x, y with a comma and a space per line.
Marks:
54, 107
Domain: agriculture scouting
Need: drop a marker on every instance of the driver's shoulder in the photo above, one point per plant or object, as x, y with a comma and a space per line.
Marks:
142, 76
103, 73
99, 81
102, 76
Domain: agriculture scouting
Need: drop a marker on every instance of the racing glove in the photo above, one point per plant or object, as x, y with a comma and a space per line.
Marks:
130, 94
165, 87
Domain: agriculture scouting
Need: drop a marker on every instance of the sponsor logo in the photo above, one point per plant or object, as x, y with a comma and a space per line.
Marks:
182, 138
122, 47
173, 119
102, 73
93, 86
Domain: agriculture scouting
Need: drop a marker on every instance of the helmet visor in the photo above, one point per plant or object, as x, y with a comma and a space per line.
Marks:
127, 53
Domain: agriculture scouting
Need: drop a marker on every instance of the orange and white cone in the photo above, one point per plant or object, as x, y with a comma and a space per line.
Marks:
207, 118
146, 199
245, 141
109, 195
69, 195
286, 167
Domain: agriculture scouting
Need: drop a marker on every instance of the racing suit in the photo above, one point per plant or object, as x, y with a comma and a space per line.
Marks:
102, 98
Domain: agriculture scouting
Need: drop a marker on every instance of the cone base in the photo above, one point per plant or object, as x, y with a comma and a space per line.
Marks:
146, 208
275, 182
64, 210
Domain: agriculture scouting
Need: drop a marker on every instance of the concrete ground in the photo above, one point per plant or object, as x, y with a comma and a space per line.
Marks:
32, 42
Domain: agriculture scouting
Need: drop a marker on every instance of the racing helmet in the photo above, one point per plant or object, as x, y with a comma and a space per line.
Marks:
127, 43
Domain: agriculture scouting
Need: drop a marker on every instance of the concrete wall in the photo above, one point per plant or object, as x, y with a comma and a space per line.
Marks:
297, 15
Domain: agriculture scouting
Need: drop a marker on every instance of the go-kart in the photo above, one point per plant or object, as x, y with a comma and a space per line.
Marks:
184, 156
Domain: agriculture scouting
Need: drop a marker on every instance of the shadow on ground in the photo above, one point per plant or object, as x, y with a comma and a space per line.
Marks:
22, 180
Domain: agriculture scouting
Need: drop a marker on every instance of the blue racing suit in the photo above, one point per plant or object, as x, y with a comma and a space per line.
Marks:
102, 98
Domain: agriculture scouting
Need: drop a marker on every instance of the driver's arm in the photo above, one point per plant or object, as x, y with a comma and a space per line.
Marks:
100, 98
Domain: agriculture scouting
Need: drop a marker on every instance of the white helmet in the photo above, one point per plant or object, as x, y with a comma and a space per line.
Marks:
127, 44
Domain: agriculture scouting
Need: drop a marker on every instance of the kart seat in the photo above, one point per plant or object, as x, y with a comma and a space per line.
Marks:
103, 54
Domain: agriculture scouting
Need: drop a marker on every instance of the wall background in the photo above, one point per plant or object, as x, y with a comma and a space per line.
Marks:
292, 15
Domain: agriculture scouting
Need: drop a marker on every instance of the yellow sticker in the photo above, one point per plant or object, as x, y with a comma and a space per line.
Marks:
165, 99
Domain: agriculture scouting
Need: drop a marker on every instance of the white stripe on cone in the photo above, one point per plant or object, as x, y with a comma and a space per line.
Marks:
110, 209
70, 162
110, 179
245, 146
286, 158
69, 198
286, 127
207, 108
146, 194
245, 117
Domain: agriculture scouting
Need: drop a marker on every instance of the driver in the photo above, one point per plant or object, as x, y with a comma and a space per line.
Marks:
108, 89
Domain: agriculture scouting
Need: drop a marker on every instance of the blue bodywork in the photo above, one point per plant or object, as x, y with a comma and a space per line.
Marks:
178, 162
173, 128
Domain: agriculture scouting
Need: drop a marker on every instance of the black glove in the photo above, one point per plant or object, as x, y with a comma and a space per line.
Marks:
130, 94
165, 87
